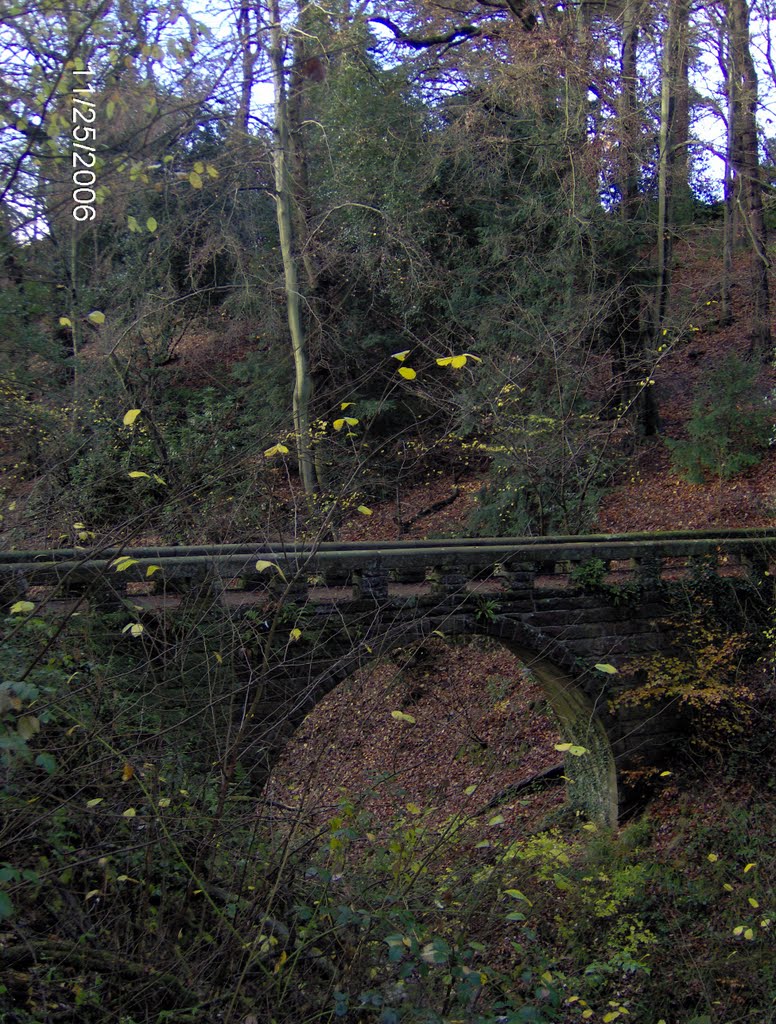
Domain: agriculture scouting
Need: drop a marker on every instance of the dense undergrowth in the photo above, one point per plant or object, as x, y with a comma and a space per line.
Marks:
489, 294
144, 880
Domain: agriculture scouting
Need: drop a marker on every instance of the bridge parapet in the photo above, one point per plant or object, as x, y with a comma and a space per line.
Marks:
563, 605
378, 571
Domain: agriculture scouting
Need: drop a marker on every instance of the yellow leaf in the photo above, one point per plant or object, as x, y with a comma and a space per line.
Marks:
407, 372
664, 775
590, 827
712, 858
127, 772
749, 867
218, 658
129, 813
195, 180
364, 510
345, 405
91, 894
22, 607
737, 930
339, 424
164, 801
133, 628
199, 167
401, 717
413, 808
295, 634
93, 803
151, 224
727, 887
278, 449
748, 934
152, 569
571, 748
608, 669
517, 895
130, 417
212, 171
97, 317
497, 819
120, 564
65, 321
444, 361
753, 902
263, 564
282, 959
469, 790
401, 356
137, 474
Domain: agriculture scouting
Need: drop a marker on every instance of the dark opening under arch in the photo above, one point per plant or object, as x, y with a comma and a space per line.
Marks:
591, 776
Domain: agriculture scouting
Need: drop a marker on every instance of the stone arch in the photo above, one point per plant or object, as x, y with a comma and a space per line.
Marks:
592, 785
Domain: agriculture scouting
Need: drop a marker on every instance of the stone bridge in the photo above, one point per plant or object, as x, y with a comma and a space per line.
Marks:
319, 613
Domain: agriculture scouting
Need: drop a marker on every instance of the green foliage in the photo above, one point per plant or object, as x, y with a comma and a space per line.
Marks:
730, 425
548, 475
487, 611
589, 574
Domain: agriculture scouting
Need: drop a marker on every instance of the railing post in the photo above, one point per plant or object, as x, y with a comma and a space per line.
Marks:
371, 581
516, 576
448, 579
649, 568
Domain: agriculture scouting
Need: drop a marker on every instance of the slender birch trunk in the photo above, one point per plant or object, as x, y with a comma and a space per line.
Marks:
284, 205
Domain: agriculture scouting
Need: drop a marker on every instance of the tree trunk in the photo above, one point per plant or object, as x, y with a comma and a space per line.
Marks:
682, 197
630, 358
248, 57
284, 202
673, 69
629, 128
730, 206
746, 165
